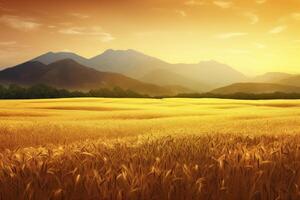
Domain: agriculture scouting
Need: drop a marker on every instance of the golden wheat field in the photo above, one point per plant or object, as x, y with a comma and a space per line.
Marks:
156, 149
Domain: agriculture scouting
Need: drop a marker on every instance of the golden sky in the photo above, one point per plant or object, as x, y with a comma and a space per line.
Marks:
253, 36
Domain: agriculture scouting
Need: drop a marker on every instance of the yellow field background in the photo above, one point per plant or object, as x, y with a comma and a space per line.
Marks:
95, 148
39, 122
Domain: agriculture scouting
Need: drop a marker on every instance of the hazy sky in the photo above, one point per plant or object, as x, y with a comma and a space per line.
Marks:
253, 36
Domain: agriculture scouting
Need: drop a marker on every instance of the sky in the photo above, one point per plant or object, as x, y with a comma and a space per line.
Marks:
253, 36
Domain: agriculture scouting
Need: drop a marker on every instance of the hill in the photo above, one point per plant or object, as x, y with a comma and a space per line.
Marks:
256, 88
71, 75
292, 80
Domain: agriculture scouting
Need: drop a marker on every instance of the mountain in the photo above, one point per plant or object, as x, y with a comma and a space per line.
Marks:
256, 88
271, 77
202, 76
71, 75
52, 57
22, 74
128, 62
138, 65
166, 78
211, 73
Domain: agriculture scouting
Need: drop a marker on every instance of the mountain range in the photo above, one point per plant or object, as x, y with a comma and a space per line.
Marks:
130, 69
200, 77
71, 75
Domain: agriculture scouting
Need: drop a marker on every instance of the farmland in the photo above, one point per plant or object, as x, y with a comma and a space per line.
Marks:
93, 148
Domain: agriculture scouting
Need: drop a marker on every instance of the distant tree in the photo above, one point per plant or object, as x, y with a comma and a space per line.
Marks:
15, 92
41, 91
101, 92
132, 94
3, 92
63, 93
74, 94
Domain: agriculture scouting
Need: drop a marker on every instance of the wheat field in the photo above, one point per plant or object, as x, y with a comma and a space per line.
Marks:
177, 149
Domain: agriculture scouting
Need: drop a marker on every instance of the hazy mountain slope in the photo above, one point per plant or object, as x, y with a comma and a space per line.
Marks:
52, 57
256, 88
211, 73
140, 66
177, 89
127, 62
69, 74
271, 77
165, 77
26, 73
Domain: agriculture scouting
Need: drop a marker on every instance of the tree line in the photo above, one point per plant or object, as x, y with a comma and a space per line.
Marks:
41, 91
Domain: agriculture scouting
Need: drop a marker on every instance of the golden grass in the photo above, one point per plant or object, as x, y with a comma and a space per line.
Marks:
149, 149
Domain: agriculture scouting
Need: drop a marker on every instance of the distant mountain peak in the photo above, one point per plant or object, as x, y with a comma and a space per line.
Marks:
113, 52
121, 50
108, 51
49, 53
52, 57
133, 51
52, 53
